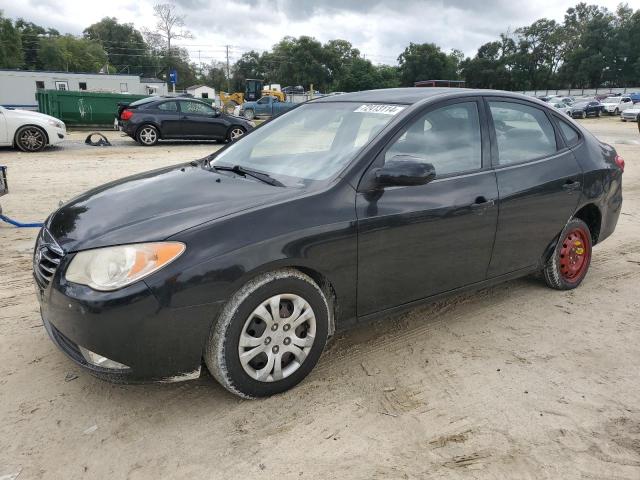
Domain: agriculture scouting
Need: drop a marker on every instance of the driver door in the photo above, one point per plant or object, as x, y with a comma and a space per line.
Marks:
199, 120
419, 241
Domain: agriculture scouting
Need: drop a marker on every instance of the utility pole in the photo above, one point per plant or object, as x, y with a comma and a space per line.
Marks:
228, 72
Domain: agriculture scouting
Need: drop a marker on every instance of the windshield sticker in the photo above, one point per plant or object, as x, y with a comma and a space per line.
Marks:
380, 109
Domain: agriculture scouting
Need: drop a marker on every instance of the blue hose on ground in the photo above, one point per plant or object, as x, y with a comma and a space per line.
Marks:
20, 225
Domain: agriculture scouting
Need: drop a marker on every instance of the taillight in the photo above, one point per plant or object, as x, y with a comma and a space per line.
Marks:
620, 162
126, 115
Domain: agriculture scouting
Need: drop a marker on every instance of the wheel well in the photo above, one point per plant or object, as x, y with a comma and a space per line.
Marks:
590, 214
327, 288
44, 130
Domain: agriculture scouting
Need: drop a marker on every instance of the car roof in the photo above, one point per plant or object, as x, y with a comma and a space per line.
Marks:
411, 95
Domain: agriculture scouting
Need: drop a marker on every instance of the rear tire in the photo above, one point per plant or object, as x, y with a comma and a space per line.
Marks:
147, 135
246, 325
571, 257
31, 139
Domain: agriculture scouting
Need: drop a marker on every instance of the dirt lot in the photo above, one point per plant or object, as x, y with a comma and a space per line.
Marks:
516, 381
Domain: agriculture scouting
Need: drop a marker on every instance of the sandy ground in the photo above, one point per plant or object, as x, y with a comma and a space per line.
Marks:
516, 381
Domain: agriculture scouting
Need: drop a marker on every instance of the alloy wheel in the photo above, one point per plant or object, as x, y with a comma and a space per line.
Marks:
148, 135
32, 139
277, 337
236, 133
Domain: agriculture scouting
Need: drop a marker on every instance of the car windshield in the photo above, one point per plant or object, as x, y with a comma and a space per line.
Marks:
312, 142
611, 100
580, 104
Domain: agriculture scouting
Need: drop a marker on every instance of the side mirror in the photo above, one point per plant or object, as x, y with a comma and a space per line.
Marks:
405, 170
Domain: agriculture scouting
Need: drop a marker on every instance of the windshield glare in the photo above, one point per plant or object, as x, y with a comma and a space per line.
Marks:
611, 100
311, 142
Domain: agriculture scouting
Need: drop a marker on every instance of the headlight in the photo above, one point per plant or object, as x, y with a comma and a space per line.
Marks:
111, 268
56, 123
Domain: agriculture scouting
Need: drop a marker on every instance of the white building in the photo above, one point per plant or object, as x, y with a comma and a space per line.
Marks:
18, 87
202, 91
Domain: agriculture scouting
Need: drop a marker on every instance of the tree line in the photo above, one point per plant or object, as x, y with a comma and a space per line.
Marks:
591, 47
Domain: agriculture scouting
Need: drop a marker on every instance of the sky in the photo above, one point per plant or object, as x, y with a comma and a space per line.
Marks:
379, 29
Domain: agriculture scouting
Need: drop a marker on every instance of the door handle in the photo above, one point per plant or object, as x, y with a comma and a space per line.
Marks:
571, 185
482, 202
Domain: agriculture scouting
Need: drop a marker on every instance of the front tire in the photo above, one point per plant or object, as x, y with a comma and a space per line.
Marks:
270, 334
584, 115
147, 135
249, 114
235, 133
571, 257
31, 139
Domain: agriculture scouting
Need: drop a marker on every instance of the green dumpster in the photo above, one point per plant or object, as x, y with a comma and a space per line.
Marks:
82, 108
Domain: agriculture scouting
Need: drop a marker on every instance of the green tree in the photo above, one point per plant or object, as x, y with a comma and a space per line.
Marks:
11, 54
426, 61
125, 46
71, 54
31, 35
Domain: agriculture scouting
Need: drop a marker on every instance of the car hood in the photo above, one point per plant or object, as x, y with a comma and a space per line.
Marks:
155, 205
28, 114
632, 110
610, 104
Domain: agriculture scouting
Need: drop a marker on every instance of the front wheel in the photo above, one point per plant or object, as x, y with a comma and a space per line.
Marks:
571, 258
31, 139
235, 133
584, 115
249, 114
270, 334
147, 135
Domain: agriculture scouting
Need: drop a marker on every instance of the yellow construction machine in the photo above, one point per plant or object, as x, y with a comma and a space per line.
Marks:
254, 89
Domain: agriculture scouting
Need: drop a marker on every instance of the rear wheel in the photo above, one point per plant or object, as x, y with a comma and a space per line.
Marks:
31, 139
571, 258
147, 135
270, 334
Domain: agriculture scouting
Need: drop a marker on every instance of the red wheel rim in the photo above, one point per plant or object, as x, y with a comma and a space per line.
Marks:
575, 253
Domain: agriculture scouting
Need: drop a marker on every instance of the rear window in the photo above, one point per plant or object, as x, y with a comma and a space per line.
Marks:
143, 101
523, 132
571, 136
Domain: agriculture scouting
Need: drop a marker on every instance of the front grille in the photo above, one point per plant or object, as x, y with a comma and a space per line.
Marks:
46, 258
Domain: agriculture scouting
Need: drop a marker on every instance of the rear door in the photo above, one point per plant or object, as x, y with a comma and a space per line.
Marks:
539, 182
418, 241
199, 120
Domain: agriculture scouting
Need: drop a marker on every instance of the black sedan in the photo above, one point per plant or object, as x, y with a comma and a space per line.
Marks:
584, 109
346, 208
164, 118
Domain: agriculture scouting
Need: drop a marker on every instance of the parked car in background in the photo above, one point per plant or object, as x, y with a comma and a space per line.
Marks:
169, 118
631, 114
267, 106
563, 107
615, 105
567, 100
635, 97
584, 109
29, 131
345, 208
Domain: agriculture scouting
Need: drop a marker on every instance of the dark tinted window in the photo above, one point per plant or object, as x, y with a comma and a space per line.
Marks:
142, 101
448, 138
523, 132
39, 84
168, 106
195, 107
82, 85
570, 135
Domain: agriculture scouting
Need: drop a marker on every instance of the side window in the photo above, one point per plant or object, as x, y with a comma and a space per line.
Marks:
523, 132
448, 138
168, 107
570, 135
196, 108
263, 100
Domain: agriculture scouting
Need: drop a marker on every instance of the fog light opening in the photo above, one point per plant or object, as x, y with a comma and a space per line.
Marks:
100, 361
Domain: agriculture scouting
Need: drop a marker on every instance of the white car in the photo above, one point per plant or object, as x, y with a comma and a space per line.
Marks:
616, 105
29, 131
631, 114
563, 107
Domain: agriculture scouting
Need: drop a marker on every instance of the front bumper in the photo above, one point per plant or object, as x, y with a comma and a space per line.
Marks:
56, 135
128, 326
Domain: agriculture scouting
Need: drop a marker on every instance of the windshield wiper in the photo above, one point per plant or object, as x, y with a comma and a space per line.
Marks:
263, 177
